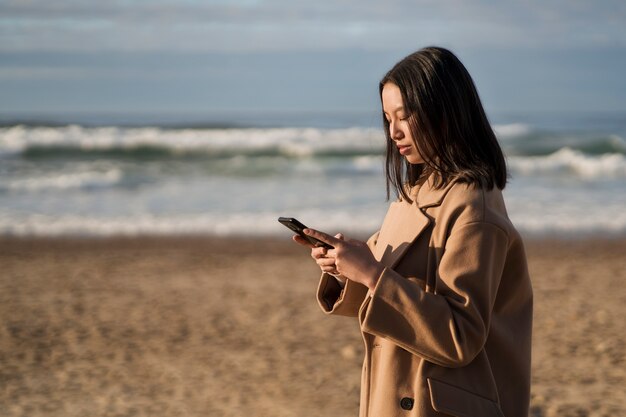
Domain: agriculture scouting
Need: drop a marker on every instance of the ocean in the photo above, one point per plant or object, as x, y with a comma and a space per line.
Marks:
225, 177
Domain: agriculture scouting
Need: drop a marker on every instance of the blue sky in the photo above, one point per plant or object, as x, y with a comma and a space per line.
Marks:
206, 57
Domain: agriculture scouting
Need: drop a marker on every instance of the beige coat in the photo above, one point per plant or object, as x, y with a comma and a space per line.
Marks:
447, 329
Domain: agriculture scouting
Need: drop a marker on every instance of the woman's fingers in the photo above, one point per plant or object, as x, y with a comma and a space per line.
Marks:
318, 252
325, 262
331, 240
302, 241
324, 257
330, 270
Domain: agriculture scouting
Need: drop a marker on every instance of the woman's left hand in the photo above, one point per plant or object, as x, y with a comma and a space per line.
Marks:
353, 258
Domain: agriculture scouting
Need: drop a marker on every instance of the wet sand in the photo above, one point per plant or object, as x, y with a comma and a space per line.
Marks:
230, 327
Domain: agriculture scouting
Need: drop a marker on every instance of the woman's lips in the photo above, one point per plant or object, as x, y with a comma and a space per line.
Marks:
404, 149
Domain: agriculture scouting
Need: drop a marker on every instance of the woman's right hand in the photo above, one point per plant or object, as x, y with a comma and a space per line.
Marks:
318, 254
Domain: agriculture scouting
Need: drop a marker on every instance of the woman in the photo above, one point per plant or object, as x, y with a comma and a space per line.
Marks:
442, 291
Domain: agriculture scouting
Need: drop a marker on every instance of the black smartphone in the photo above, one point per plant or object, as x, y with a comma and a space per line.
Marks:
298, 228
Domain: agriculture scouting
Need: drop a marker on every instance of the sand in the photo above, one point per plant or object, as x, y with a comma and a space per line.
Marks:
227, 327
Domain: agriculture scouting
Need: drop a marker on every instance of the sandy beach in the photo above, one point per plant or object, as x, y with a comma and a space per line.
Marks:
230, 327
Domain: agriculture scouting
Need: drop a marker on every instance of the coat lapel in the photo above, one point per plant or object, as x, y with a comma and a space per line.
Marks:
402, 225
404, 222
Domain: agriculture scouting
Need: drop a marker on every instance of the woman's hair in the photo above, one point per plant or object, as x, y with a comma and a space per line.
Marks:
447, 123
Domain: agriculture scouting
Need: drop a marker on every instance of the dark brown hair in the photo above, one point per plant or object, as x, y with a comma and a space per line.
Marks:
447, 122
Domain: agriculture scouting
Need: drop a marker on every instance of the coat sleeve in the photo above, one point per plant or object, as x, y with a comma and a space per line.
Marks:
448, 327
344, 301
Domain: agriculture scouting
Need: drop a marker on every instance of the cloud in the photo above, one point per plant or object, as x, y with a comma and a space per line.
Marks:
281, 25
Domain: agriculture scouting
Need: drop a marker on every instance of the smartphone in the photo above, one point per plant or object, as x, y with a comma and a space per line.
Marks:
298, 228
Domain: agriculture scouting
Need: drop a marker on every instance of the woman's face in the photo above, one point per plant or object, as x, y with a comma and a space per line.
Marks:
398, 119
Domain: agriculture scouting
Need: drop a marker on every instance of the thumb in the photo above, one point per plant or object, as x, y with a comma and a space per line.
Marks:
339, 236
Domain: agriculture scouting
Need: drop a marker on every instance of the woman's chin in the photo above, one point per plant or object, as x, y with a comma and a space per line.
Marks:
414, 160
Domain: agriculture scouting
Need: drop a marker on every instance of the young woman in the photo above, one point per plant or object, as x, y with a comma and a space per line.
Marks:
442, 291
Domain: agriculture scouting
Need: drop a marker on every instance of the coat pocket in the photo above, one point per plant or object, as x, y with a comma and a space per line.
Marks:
448, 399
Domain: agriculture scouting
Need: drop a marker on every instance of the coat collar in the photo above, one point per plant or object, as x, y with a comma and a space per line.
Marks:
425, 195
402, 225
405, 222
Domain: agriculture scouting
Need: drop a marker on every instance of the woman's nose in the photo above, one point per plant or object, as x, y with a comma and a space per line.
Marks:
394, 132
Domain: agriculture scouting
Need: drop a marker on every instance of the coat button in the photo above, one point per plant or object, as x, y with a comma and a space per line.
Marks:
406, 403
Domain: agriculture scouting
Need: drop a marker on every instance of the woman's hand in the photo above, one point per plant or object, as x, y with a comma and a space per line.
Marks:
350, 258
325, 263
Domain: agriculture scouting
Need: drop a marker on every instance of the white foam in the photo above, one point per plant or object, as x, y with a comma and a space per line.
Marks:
568, 161
64, 181
233, 224
372, 164
530, 222
512, 130
558, 222
244, 192
292, 141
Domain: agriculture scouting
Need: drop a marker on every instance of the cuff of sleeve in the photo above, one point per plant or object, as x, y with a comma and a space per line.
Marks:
340, 280
333, 299
329, 292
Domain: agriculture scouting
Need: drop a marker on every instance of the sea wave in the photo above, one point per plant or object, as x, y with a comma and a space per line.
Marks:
234, 224
558, 221
76, 140
264, 224
79, 142
511, 130
63, 181
570, 162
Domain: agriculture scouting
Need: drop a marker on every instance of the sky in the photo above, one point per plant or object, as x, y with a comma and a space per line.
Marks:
190, 57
